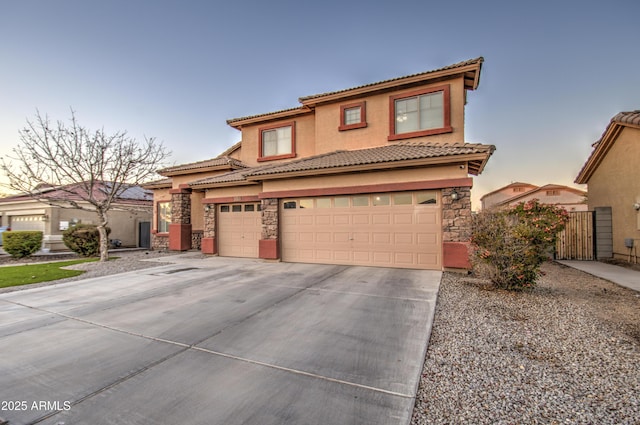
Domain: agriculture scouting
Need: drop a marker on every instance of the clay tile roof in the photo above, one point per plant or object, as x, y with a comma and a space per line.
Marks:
604, 143
235, 176
220, 161
383, 154
632, 118
462, 64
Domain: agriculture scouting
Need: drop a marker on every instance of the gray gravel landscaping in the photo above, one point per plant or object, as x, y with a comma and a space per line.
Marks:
567, 352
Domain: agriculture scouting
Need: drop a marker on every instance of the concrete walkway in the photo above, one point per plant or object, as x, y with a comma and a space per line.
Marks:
616, 274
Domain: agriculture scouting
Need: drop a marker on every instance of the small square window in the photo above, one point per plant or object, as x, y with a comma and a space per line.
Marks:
341, 202
249, 208
224, 208
323, 202
352, 116
426, 198
306, 203
381, 200
289, 205
236, 208
360, 201
402, 199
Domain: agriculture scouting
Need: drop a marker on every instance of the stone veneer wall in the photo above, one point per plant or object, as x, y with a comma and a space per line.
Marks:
159, 242
196, 239
181, 208
269, 219
456, 215
209, 221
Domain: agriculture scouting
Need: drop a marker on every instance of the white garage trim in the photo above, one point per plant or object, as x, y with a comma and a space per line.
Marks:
239, 229
401, 229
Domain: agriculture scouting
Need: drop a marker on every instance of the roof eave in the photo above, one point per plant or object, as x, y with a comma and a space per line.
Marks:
603, 146
470, 73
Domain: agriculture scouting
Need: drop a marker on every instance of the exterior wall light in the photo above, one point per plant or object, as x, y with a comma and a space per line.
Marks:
636, 206
455, 195
207, 208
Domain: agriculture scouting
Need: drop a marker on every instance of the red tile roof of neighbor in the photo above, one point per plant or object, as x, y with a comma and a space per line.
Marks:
129, 194
391, 155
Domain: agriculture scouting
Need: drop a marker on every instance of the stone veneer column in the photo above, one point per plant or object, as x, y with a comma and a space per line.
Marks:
456, 228
268, 244
180, 227
209, 235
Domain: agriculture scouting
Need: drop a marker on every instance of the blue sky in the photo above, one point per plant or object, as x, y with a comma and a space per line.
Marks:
555, 72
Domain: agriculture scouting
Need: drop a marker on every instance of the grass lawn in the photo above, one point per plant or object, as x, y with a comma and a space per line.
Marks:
34, 273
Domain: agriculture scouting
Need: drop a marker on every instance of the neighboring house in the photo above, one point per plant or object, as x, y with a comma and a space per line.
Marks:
569, 198
375, 175
129, 218
509, 191
612, 173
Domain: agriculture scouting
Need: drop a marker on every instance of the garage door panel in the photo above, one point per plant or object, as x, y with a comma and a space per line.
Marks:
382, 238
403, 218
381, 219
360, 219
427, 218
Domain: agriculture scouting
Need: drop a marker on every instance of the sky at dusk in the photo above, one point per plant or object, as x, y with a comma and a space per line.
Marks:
555, 72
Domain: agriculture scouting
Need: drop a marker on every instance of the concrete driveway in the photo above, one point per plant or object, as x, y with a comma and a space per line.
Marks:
218, 341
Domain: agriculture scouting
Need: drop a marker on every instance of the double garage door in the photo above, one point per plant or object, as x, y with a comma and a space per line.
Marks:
386, 230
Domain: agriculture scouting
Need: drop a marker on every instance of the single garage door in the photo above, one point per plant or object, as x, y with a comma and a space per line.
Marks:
387, 230
239, 230
27, 222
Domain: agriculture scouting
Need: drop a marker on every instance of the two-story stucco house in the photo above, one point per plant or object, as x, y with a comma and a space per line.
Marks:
612, 173
375, 175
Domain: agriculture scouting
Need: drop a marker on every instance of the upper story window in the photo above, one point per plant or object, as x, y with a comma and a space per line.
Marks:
352, 116
420, 113
553, 193
277, 142
164, 217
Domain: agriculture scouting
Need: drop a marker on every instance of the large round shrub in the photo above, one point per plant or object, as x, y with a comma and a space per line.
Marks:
83, 239
511, 245
21, 244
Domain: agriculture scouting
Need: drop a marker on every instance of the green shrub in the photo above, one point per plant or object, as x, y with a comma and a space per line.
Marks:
83, 239
21, 244
511, 245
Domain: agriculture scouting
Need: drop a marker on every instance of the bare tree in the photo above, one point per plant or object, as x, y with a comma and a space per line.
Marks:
91, 169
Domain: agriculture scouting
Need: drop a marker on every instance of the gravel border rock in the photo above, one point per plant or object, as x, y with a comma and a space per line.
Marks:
567, 352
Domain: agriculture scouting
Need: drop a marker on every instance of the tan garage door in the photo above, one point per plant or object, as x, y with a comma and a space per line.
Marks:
387, 230
27, 222
239, 230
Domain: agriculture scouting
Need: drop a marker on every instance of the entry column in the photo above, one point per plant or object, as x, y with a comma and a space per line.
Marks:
268, 244
180, 227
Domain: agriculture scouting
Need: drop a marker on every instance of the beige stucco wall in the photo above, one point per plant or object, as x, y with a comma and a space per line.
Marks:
224, 192
366, 178
616, 183
318, 133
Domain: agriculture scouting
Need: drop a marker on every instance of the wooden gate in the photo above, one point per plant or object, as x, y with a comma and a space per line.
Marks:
576, 241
